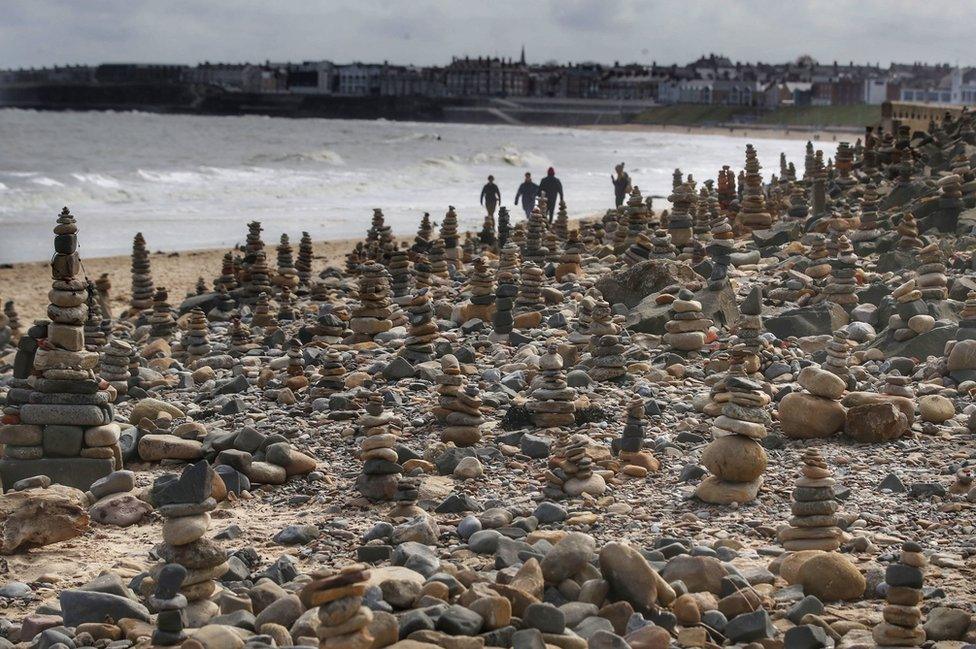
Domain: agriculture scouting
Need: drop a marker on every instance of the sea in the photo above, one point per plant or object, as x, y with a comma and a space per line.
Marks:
190, 182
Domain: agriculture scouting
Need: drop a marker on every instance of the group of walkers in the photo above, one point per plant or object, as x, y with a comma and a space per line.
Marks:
552, 188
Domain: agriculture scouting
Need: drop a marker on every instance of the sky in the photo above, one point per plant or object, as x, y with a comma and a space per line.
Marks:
35, 33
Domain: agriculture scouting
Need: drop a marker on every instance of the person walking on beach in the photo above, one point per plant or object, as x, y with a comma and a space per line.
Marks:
527, 191
553, 189
490, 196
621, 185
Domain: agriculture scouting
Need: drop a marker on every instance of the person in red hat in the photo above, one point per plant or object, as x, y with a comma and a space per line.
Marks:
553, 189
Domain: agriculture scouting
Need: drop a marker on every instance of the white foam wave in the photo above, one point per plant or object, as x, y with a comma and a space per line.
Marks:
99, 180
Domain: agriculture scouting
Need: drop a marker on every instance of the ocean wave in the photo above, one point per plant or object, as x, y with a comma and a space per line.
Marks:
44, 181
327, 156
99, 180
168, 176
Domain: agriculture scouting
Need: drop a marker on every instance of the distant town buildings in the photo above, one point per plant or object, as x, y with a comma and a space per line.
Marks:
711, 79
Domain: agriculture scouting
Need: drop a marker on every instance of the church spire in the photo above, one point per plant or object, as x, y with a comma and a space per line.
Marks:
522, 59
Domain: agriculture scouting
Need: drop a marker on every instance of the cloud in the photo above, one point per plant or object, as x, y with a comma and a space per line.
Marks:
429, 32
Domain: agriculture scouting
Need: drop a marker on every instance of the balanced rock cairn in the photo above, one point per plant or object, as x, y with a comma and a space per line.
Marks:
13, 320
688, 328
817, 412
735, 457
754, 214
908, 232
908, 305
185, 502
114, 367
169, 602
814, 522
287, 275
378, 480
259, 276
331, 377
571, 258
606, 351
103, 287
481, 286
573, 473
418, 347
838, 356
142, 282
720, 251
458, 405
530, 289
505, 293
162, 325
680, 220
373, 316
263, 315
642, 249
95, 337
406, 497
304, 262
551, 401
62, 424
338, 596
196, 340
902, 625
632, 453
931, 274
661, 246
400, 276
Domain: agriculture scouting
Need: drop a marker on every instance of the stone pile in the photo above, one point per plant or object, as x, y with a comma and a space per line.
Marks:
228, 277
95, 337
418, 347
378, 481
571, 258
304, 262
169, 602
814, 508
908, 306
680, 220
908, 233
373, 315
142, 282
661, 247
632, 453
535, 250
606, 361
400, 275
551, 401
572, 474
754, 214
287, 274
61, 424
103, 288
931, 273
263, 315
114, 367
196, 340
530, 288
839, 355
337, 595
449, 235
505, 294
720, 251
406, 496
816, 413
841, 283
560, 226
185, 502
331, 376
162, 325
734, 457
687, 330
458, 406
259, 276
902, 616
482, 289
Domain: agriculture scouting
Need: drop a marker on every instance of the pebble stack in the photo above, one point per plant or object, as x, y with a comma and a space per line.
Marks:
841, 283
185, 502
61, 424
195, 341
438, 264
406, 497
816, 413
482, 288
373, 315
530, 288
263, 316
510, 259
814, 508
400, 275
331, 376
571, 258
573, 473
458, 405
838, 355
535, 250
449, 235
418, 347
287, 275
142, 283
169, 602
338, 597
259, 275
551, 401
632, 453
606, 361
902, 625
103, 288
505, 293
560, 226
378, 480
228, 276
642, 249
688, 328
753, 213
735, 457
161, 322
908, 304
114, 366
720, 251
680, 221
908, 233
931, 274
304, 262
95, 337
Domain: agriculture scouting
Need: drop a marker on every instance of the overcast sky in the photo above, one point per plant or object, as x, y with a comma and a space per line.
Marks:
429, 32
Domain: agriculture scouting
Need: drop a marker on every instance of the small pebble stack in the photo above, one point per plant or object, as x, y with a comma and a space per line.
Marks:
902, 625
814, 522
338, 596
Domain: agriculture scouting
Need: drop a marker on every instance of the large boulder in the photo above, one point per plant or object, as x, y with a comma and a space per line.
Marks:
735, 457
831, 577
820, 320
38, 517
630, 577
804, 416
922, 346
875, 422
650, 317
631, 285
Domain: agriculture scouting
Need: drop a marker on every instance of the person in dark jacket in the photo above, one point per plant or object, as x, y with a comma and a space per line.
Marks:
527, 191
621, 185
490, 196
553, 189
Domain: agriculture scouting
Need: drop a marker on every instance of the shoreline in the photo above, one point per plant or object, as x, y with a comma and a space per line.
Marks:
748, 131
